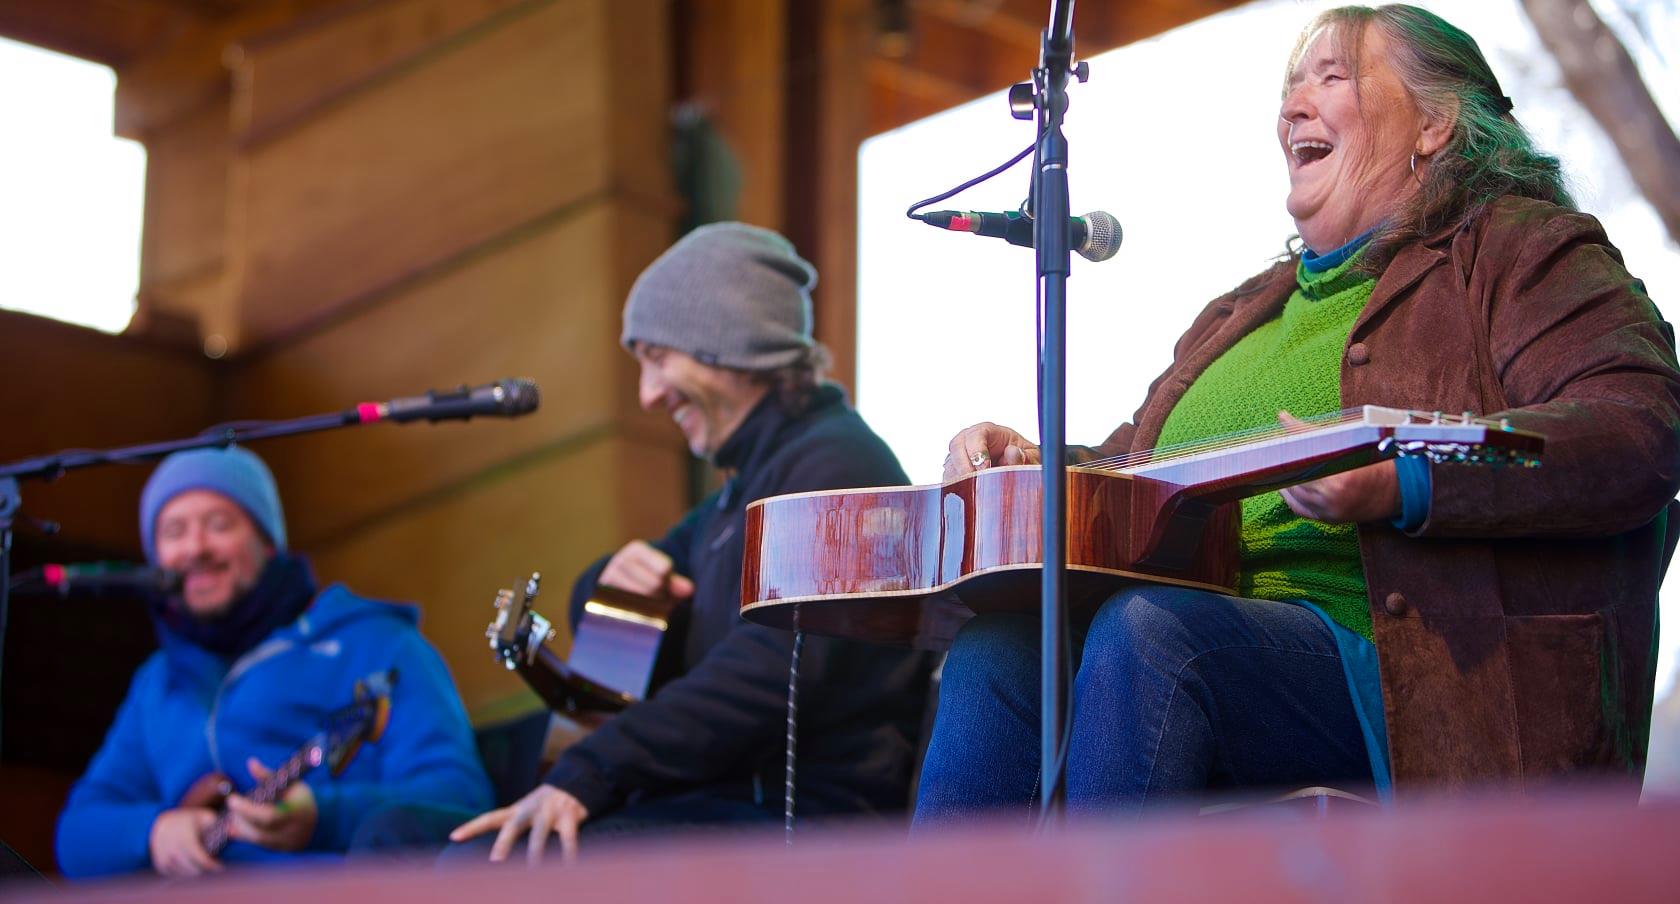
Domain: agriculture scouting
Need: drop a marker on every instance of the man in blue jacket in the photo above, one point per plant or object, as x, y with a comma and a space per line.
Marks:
721, 328
252, 658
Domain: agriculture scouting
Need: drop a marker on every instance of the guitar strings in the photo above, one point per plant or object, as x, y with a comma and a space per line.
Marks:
1222, 441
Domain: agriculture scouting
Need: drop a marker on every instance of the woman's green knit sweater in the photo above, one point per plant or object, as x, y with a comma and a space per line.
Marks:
1293, 364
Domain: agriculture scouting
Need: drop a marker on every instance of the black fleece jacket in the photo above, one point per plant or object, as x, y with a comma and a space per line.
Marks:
721, 725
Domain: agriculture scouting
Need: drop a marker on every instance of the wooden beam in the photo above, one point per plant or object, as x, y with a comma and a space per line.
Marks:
1603, 77
488, 138
736, 71
186, 69
282, 75
926, 87
994, 19
966, 55
111, 32
844, 41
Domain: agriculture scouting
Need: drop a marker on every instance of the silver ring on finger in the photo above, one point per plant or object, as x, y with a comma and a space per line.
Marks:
979, 459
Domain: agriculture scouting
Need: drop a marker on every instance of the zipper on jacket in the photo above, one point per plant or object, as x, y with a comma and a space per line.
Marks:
263, 651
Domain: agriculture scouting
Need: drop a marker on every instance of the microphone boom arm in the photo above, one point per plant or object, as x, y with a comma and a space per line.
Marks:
506, 398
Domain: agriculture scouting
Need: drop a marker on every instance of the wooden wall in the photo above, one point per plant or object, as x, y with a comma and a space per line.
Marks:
68, 663
390, 196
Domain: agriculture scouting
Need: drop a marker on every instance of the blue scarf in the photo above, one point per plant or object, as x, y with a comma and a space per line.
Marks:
283, 591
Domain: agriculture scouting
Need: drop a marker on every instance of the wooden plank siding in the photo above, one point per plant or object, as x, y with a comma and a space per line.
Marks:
286, 74
470, 199
541, 307
483, 138
67, 387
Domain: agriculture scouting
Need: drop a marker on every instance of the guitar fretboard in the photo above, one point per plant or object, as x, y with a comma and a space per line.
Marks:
215, 838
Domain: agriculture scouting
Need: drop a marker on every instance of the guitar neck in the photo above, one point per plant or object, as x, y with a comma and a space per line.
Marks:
1220, 472
1249, 469
306, 758
564, 690
267, 791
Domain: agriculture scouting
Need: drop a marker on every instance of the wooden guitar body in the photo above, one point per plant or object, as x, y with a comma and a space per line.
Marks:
909, 565
210, 792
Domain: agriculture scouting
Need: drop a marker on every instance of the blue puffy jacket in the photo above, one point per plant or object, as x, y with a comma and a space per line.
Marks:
190, 712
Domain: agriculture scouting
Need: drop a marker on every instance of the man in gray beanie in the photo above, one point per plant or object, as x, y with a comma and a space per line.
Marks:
721, 326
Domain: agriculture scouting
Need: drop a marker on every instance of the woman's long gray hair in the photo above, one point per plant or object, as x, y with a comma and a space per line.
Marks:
1488, 155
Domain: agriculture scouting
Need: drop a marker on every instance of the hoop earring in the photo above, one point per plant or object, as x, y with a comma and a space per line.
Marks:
1414, 169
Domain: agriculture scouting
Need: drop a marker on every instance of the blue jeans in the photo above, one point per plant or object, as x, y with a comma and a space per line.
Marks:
1176, 691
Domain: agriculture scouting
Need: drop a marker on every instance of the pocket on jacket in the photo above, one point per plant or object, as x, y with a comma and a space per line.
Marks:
1567, 695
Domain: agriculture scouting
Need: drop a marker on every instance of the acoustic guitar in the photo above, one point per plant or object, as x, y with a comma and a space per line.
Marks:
345, 731
910, 564
619, 651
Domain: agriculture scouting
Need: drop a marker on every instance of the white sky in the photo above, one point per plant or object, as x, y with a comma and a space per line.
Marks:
1173, 135
71, 193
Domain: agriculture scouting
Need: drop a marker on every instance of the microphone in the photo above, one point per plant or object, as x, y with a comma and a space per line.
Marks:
503, 398
94, 579
1094, 236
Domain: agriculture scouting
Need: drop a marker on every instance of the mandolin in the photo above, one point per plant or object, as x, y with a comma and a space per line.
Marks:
345, 731
619, 650
910, 564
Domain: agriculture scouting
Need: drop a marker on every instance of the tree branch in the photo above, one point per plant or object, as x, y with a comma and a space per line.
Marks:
1602, 76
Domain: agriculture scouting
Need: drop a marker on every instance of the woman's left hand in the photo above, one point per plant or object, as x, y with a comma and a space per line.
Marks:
1371, 493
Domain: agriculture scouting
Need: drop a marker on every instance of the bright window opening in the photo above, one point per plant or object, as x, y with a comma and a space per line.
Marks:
71, 192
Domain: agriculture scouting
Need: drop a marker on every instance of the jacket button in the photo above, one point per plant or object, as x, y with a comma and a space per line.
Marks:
1395, 605
1358, 354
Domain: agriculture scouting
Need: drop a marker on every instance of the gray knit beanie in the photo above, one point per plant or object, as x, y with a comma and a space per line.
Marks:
729, 294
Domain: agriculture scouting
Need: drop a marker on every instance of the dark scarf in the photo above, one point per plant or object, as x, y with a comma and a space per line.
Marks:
283, 591
760, 435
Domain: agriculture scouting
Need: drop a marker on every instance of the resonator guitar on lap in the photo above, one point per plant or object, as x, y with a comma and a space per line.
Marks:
911, 564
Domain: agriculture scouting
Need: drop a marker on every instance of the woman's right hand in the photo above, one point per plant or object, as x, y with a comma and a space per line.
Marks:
984, 445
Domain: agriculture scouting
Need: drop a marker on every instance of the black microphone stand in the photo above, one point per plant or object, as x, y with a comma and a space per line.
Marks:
1046, 98
11, 499
51, 467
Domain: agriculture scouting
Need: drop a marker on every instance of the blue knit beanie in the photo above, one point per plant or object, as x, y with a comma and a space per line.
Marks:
233, 472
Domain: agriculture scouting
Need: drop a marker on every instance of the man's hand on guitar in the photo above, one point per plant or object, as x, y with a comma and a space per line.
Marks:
984, 445
640, 568
175, 846
545, 811
1371, 493
284, 826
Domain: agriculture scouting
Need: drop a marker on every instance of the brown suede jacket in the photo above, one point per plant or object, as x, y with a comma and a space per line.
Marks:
1516, 628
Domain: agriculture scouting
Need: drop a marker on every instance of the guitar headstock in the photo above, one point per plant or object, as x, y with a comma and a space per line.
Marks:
518, 631
363, 721
1455, 438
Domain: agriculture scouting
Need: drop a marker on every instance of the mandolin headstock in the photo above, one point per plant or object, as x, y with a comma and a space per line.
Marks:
362, 722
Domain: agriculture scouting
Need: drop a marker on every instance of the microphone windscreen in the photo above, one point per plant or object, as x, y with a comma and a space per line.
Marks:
518, 396
1102, 236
